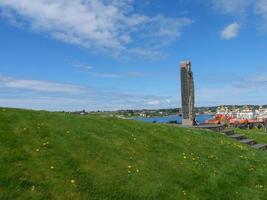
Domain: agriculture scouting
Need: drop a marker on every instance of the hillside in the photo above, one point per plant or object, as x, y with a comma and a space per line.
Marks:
257, 134
46, 155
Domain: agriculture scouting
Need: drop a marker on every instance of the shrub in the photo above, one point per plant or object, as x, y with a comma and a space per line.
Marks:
250, 126
259, 126
243, 126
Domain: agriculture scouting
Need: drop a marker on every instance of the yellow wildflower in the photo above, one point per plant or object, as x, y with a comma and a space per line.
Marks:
72, 181
258, 186
212, 157
45, 143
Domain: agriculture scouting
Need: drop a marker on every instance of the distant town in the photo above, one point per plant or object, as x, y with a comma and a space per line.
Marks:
237, 111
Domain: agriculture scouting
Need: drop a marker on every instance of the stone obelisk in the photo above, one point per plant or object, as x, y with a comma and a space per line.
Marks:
187, 94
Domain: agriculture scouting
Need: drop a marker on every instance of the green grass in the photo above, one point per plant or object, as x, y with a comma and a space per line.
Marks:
257, 134
47, 155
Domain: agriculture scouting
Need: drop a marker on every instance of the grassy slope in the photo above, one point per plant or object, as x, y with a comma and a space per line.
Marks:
105, 158
259, 135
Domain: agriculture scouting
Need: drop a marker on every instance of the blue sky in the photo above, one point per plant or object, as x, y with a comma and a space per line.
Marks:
122, 54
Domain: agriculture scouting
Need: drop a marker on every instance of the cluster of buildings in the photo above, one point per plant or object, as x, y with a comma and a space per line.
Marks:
244, 113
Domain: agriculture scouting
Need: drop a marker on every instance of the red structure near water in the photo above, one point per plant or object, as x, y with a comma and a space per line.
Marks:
237, 117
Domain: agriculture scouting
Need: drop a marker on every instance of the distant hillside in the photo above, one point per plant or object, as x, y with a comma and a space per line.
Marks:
47, 155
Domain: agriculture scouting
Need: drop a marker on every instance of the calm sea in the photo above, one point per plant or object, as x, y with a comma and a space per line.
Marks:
200, 118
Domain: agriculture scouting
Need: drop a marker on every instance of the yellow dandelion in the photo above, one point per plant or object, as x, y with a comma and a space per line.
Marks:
251, 169
134, 138
51, 167
258, 186
37, 150
184, 157
137, 170
72, 181
33, 188
212, 157
184, 193
129, 166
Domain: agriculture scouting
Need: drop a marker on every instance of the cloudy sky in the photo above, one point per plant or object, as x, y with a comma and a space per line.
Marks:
120, 54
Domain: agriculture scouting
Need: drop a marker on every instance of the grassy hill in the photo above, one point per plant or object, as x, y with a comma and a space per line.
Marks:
257, 134
47, 155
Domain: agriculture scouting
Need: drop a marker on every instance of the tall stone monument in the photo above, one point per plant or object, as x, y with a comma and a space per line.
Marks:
187, 94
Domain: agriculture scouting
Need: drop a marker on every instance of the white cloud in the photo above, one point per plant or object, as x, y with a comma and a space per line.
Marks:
107, 75
261, 10
261, 7
246, 89
158, 102
231, 31
232, 7
37, 85
154, 102
168, 100
117, 75
37, 94
111, 26
83, 66
241, 9
90, 70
